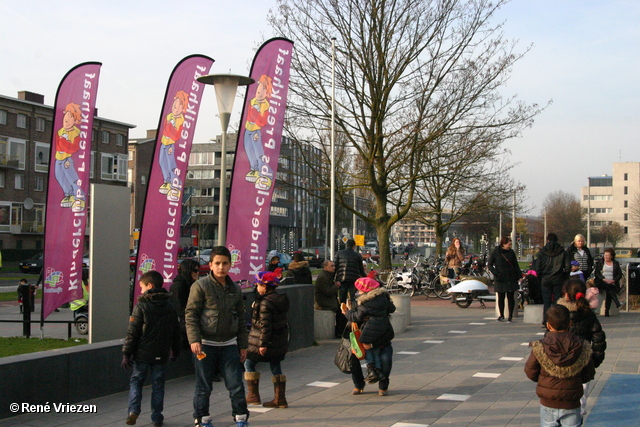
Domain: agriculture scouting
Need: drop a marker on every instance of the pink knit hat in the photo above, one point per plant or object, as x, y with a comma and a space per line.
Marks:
366, 284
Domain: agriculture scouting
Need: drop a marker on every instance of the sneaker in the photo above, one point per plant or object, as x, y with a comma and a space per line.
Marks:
500, 319
131, 419
241, 421
205, 422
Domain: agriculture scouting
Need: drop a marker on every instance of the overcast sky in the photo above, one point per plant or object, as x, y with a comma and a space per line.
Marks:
585, 57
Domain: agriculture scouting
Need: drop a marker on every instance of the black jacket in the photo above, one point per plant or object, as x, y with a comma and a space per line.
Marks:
300, 273
599, 277
326, 291
552, 264
586, 325
153, 328
269, 327
349, 267
504, 266
372, 316
572, 250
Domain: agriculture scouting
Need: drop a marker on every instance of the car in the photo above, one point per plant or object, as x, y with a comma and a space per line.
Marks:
369, 253
32, 265
204, 264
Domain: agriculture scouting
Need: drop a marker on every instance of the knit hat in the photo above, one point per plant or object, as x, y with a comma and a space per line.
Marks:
576, 263
269, 278
366, 284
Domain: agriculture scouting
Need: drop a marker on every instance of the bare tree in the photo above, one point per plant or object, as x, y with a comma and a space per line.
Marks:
634, 209
565, 217
613, 233
410, 75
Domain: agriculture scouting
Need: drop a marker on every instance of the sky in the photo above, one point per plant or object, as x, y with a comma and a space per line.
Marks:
584, 57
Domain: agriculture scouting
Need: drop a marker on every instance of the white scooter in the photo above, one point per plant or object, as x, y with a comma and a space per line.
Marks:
466, 291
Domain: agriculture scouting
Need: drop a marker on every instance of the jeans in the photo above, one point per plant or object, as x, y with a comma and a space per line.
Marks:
386, 360
550, 417
250, 366
347, 287
227, 360
372, 356
550, 295
139, 374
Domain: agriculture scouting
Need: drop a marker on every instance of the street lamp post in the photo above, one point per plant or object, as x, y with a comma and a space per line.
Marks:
226, 86
333, 144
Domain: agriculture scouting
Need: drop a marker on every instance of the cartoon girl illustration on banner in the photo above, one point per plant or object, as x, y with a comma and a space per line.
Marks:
260, 172
170, 134
68, 143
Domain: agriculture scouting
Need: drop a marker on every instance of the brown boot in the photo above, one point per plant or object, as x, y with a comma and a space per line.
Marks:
253, 387
279, 399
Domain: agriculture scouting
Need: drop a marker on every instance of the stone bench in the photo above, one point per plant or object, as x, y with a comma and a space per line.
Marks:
533, 313
613, 310
324, 324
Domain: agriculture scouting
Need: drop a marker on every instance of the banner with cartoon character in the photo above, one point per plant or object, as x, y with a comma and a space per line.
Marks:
161, 220
256, 159
69, 166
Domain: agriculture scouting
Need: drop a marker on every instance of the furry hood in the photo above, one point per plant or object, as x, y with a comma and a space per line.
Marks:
562, 354
298, 264
371, 295
571, 305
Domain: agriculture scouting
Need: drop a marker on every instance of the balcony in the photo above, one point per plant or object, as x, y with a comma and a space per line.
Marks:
28, 227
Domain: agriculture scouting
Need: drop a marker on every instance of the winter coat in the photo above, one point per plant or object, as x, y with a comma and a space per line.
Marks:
372, 316
455, 260
153, 328
552, 264
269, 327
586, 325
599, 277
572, 251
560, 363
349, 267
300, 272
326, 291
503, 264
215, 312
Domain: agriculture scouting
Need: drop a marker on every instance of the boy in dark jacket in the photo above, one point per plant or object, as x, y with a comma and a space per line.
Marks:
152, 338
560, 363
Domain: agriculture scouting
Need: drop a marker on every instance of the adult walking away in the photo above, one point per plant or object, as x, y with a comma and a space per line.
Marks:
608, 274
188, 273
268, 339
326, 294
372, 317
299, 271
503, 263
585, 325
218, 337
454, 257
578, 251
552, 265
152, 339
349, 268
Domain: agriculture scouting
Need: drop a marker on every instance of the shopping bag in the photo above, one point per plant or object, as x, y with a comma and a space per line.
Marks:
343, 356
356, 346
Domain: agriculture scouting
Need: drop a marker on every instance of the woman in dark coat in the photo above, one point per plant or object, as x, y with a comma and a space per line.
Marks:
299, 271
608, 274
268, 338
372, 317
503, 263
188, 273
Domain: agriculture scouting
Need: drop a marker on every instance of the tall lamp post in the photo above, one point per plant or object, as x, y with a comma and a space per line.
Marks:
332, 227
226, 86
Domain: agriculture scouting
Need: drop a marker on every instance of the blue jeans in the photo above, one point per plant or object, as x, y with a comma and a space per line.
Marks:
227, 360
250, 366
139, 374
372, 356
386, 361
550, 417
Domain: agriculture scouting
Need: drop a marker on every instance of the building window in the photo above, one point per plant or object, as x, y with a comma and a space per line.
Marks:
626, 190
626, 217
21, 121
120, 140
3, 117
39, 183
114, 167
143, 180
626, 203
130, 155
601, 210
105, 137
279, 211
17, 153
5, 216
626, 230
40, 124
93, 164
19, 185
2, 178
42, 157
94, 135
626, 177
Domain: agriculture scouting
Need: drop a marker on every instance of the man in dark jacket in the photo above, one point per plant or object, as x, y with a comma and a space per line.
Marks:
349, 268
553, 266
152, 338
560, 363
326, 294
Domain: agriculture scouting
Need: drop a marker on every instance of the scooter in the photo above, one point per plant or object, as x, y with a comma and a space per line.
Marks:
81, 316
466, 291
